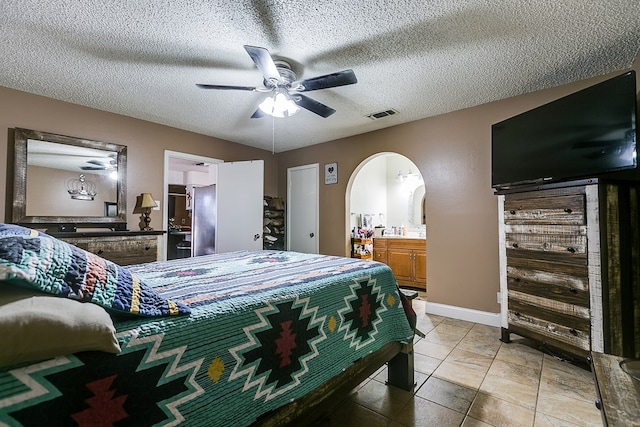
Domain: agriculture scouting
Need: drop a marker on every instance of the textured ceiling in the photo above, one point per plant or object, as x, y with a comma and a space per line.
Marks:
422, 58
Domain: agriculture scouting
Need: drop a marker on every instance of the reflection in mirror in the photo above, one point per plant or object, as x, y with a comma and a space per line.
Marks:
416, 206
65, 180
81, 179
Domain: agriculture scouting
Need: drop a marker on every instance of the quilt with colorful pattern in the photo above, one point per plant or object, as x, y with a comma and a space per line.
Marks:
265, 328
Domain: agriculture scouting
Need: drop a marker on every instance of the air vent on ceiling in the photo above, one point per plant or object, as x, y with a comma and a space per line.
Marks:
381, 114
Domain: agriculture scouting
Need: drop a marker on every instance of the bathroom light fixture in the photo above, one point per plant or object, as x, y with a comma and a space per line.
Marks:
144, 204
81, 189
279, 105
400, 177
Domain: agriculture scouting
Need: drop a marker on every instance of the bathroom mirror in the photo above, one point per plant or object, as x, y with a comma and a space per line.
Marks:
416, 207
68, 182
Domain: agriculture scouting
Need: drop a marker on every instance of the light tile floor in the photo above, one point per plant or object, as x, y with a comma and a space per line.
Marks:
465, 376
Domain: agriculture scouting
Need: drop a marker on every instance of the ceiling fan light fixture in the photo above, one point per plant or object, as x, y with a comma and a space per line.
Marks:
279, 105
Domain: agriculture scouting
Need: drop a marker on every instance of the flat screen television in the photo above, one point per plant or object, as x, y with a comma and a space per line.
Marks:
582, 135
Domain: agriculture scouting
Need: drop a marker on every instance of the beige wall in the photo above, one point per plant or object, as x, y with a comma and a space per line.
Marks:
453, 153
145, 143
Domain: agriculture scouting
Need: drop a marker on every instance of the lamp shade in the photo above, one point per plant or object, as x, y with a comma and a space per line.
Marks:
144, 203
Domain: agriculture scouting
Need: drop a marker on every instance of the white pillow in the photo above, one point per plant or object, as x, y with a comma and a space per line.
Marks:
36, 326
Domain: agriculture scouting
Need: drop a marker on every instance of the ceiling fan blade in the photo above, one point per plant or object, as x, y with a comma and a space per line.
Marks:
341, 78
101, 162
264, 62
223, 87
258, 114
313, 105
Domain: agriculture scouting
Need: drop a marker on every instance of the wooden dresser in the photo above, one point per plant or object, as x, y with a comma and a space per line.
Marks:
570, 267
121, 247
407, 258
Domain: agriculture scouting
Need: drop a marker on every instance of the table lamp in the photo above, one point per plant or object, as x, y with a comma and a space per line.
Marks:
144, 204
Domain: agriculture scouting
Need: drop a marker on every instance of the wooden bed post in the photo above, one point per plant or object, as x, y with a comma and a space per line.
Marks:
400, 369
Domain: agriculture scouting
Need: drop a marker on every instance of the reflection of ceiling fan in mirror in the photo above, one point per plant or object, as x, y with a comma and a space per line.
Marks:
102, 164
285, 91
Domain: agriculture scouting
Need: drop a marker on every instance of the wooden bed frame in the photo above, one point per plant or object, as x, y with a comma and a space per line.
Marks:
318, 403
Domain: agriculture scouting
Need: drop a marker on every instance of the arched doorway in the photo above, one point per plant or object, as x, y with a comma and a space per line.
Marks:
386, 196
388, 191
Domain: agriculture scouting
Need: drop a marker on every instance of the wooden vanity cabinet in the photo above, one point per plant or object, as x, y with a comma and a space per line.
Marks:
407, 258
123, 248
570, 267
380, 250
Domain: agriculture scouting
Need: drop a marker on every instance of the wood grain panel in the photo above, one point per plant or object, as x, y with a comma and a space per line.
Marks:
555, 310
567, 209
401, 262
570, 331
550, 341
407, 258
547, 238
565, 258
618, 393
565, 294
549, 272
123, 250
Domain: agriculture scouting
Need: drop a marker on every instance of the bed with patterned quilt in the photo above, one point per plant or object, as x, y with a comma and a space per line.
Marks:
216, 340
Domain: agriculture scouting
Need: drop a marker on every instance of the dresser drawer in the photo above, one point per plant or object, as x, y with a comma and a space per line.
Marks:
123, 250
562, 239
562, 209
555, 321
547, 280
131, 250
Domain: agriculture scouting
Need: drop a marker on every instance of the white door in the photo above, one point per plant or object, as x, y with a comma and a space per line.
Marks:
240, 187
302, 210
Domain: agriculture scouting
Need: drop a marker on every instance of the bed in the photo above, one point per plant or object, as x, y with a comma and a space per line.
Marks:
243, 338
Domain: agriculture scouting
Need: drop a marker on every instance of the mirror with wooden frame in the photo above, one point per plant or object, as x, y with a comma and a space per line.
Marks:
66, 182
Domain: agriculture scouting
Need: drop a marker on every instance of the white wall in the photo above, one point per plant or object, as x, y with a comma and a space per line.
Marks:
369, 192
400, 194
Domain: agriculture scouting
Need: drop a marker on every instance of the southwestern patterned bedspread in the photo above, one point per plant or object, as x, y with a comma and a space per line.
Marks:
265, 328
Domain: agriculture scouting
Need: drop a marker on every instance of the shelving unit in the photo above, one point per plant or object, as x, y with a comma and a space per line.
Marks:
362, 248
273, 224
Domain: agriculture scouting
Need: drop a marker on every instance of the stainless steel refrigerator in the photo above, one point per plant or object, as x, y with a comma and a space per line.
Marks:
203, 220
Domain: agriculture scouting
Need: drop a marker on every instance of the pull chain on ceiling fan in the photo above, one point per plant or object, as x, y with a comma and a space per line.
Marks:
285, 91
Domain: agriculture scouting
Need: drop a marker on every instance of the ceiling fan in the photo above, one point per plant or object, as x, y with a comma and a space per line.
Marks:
280, 81
100, 164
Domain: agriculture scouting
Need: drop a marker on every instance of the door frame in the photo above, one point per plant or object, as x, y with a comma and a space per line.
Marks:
316, 226
165, 189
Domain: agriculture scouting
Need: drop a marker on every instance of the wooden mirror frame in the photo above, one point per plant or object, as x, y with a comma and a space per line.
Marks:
66, 223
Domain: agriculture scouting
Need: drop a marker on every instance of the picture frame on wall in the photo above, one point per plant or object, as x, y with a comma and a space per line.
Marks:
331, 173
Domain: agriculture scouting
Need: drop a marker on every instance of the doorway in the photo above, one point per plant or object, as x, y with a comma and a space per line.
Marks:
388, 191
181, 170
385, 199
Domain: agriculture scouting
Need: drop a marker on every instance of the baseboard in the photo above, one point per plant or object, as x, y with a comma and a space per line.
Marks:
461, 313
